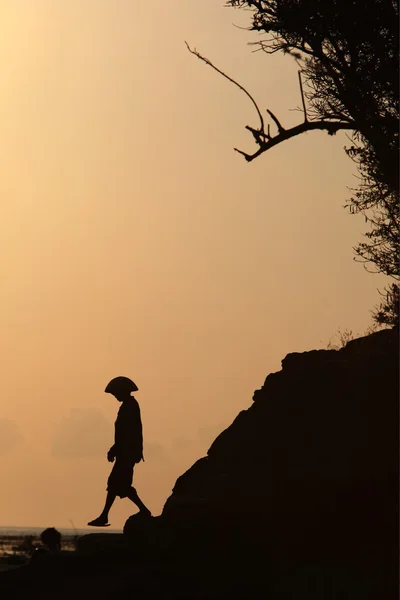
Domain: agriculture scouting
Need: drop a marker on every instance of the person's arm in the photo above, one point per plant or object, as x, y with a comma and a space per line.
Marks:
111, 454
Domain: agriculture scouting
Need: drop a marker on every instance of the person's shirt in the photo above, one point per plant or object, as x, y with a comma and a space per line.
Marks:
128, 432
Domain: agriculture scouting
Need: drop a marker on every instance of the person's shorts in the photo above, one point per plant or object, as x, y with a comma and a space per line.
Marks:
120, 479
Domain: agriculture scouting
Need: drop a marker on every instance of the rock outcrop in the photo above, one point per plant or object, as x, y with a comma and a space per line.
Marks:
310, 471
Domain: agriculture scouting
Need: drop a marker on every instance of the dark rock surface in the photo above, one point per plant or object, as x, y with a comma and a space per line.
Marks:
309, 473
102, 545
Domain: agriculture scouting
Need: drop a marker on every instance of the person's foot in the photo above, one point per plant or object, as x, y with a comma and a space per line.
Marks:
99, 522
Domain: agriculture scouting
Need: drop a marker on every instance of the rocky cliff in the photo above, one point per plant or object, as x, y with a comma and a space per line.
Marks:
309, 471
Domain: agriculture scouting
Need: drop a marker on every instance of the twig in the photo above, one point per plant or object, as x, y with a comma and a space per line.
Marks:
210, 64
275, 120
302, 97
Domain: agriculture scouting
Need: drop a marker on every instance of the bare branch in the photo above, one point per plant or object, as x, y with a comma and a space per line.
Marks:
286, 134
302, 98
264, 139
210, 64
275, 120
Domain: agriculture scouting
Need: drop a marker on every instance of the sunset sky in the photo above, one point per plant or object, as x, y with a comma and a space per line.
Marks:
135, 241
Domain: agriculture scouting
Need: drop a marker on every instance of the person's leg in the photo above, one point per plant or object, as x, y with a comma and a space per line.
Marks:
102, 520
133, 496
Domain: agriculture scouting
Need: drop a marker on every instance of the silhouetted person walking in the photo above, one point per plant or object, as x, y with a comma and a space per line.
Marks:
127, 450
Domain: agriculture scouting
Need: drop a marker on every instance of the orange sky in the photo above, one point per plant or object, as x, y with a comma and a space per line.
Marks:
134, 241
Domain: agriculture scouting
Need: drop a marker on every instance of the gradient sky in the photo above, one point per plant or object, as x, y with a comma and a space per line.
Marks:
135, 242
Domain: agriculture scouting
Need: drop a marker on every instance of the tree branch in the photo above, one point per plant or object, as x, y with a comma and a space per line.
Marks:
210, 64
264, 139
329, 126
275, 120
302, 98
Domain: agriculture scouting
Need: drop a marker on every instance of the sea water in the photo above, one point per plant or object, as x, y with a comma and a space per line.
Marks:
15, 531
12, 537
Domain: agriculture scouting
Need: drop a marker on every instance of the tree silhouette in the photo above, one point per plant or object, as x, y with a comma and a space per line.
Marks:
379, 205
347, 52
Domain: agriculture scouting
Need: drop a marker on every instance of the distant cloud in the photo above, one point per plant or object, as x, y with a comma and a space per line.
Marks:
154, 452
83, 433
10, 437
208, 434
182, 442
205, 435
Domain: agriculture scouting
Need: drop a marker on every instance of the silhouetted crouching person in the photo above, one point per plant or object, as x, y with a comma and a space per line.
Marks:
127, 450
51, 539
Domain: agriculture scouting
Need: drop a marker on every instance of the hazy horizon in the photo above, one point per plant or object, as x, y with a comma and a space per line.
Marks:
136, 242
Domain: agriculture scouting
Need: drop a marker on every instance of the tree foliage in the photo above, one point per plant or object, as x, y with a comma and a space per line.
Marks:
387, 313
347, 51
379, 205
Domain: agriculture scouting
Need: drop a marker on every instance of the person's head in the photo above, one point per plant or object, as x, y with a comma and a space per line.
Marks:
51, 539
121, 388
